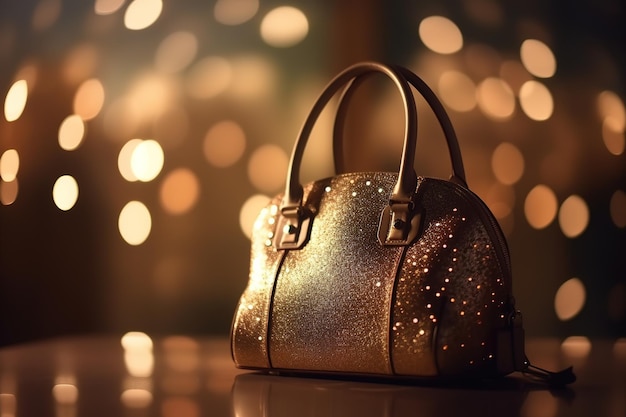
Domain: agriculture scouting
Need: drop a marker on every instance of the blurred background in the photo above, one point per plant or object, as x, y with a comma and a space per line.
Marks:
140, 138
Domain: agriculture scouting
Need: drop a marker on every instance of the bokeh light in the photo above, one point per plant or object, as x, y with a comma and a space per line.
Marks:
254, 77
176, 52
224, 143
105, 7
136, 398
235, 12
65, 393
570, 298
440, 35
267, 168
613, 136
209, 77
124, 160
65, 192
250, 211
146, 160
540, 206
284, 26
610, 105
141, 14
496, 99
617, 207
15, 100
135, 223
136, 341
457, 91
8, 192
89, 99
538, 58
179, 191
577, 347
507, 163
536, 100
9, 165
573, 216
71, 132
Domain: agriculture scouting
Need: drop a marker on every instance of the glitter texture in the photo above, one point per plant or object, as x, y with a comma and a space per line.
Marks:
345, 303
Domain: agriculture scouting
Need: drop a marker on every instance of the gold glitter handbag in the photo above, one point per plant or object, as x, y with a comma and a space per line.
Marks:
378, 273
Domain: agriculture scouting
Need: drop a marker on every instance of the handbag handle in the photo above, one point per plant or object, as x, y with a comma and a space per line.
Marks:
399, 222
458, 171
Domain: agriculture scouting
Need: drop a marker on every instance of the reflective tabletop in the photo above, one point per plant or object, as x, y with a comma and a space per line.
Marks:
181, 376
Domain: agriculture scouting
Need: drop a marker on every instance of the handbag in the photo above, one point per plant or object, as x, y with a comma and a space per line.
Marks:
379, 274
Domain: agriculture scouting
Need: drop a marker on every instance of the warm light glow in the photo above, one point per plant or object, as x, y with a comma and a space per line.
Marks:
507, 163
138, 356
610, 105
135, 223
570, 299
209, 77
267, 168
139, 362
104, 7
147, 160
136, 341
457, 91
65, 192
141, 14
150, 96
176, 52
46, 14
9, 165
250, 211
8, 192
538, 58
65, 393
15, 101
496, 99
124, 158
224, 143
284, 26
540, 206
576, 347
136, 398
618, 208
573, 216
235, 12
89, 99
71, 132
613, 136
536, 100
180, 191
80, 63
441, 35
254, 76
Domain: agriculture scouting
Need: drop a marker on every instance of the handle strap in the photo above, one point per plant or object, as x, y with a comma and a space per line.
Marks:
407, 180
458, 171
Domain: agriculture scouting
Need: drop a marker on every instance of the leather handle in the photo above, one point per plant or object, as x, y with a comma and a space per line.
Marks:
407, 180
458, 171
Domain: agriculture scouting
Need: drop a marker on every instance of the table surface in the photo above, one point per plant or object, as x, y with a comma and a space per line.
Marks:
180, 376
